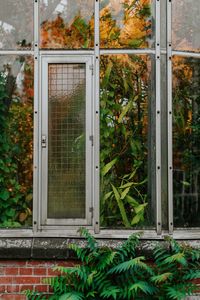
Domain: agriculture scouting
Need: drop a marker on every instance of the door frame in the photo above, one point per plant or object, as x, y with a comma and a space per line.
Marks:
68, 59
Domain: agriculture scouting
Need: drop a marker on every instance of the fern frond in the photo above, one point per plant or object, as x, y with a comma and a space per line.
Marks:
112, 291
72, 296
178, 257
133, 263
160, 254
192, 274
81, 253
106, 259
180, 291
195, 254
162, 277
31, 295
91, 241
142, 286
128, 248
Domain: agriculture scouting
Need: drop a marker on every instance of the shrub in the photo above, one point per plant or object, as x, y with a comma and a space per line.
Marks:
106, 273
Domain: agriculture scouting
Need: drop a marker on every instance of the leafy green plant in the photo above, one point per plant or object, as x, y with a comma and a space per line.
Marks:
123, 140
15, 156
106, 273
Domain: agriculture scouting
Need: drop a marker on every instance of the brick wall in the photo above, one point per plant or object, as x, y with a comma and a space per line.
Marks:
16, 276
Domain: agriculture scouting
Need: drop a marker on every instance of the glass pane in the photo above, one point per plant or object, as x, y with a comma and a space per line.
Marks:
186, 24
164, 137
16, 140
127, 141
126, 24
186, 146
163, 35
66, 140
66, 24
16, 24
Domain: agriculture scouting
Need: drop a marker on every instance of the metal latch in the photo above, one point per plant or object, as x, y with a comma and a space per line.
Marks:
91, 138
44, 141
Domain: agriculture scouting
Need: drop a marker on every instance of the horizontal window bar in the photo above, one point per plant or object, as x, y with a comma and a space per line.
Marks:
16, 52
185, 53
127, 51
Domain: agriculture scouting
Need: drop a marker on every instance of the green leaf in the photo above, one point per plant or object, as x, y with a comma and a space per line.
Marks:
132, 201
142, 286
71, 296
111, 291
4, 195
178, 257
108, 166
125, 192
124, 112
131, 264
121, 207
162, 277
107, 75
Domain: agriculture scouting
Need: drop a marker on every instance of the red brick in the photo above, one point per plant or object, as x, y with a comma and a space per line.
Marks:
53, 273
13, 288
13, 263
42, 288
6, 280
2, 271
25, 271
12, 297
26, 280
66, 263
11, 271
3, 288
26, 287
40, 271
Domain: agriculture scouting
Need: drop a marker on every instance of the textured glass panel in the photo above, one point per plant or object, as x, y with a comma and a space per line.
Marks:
186, 24
127, 141
186, 141
66, 24
126, 24
16, 140
16, 24
66, 140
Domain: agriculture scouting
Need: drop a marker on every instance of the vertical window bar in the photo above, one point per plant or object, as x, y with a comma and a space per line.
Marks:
96, 121
169, 101
158, 123
36, 213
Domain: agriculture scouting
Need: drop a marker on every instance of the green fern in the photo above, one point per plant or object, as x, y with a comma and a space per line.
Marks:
133, 263
120, 274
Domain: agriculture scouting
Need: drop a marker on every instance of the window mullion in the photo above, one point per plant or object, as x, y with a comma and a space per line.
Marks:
158, 122
96, 166
36, 207
169, 113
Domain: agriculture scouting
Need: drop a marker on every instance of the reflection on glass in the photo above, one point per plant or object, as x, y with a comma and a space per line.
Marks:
186, 24
16, 143
186, 145
66, 141
126, 24
125, 139
66, 24
16, 24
